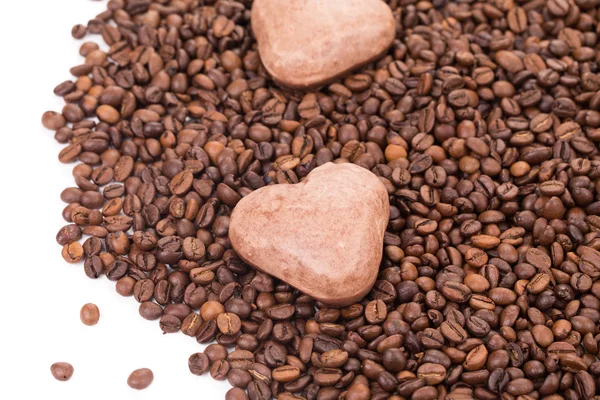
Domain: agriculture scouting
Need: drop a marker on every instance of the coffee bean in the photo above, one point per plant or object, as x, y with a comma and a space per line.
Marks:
334, 358
327, 376
453, 331
457, 292
140, 379
219, 370
375, 311
150, 310
519, 387
238, 378
286, 373
68, 234
198, 363
191, 324
143, 290
211, 310
229, 323
73, 252
433, 374
170, 324
236, 394
124, 285
89, 314
498, 381
61, 371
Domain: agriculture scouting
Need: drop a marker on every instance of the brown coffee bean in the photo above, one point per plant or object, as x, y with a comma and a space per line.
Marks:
53, 120
453, 331
151, 311
433, 374
89, 314
456, 292
229, 323
334, 358
125, 286
375, 311
73, 252
140, 379
198, 363
61, 371
286, 373
211, 310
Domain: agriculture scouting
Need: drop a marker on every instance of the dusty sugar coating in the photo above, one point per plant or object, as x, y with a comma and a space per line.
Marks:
323, 236
308, 43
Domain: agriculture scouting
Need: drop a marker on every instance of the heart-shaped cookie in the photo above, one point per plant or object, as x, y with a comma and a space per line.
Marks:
306, 43
324, 236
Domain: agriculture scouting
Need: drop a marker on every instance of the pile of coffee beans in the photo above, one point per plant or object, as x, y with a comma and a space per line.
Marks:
482, 121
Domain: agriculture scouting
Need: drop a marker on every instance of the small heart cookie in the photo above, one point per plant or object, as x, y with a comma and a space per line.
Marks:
306, 43
324, 235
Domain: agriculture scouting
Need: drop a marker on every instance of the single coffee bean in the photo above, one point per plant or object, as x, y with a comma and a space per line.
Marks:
498, 380
68, 234
140, 379
453, 331
150, 310
72, 252
286, 373
89, 314
219, 370
198, 363
61, 371
211, 310
236, 394
376, 311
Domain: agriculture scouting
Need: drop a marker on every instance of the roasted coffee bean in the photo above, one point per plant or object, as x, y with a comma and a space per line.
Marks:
238, 378
140, 379
150, 310
453, 331
72, 252
68, 234
170, 324
376, 311
191, 324
229, 323
236, 394
93, 267
61, 371
143, 290
286, 373
219, 370
498, 380
198, 363
215, 352
433, 374
89, 314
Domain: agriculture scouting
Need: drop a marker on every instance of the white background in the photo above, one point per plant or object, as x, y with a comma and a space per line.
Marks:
41, 294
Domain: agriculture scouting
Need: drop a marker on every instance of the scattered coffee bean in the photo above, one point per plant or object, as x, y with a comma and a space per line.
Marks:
89, 314
140, 379
61, 371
